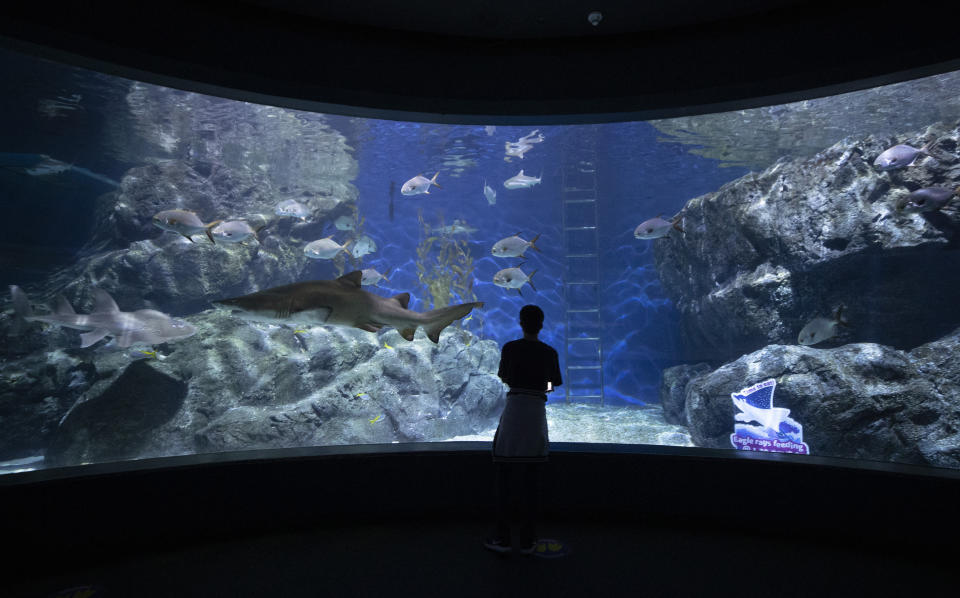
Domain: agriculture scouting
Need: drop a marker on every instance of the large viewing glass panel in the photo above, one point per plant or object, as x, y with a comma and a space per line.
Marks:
774, 221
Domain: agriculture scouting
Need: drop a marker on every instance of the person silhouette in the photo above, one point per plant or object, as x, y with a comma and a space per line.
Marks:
531, 369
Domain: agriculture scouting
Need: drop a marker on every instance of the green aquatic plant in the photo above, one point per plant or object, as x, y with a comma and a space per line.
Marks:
444, 265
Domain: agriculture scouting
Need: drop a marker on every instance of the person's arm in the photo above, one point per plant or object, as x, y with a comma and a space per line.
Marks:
505, 370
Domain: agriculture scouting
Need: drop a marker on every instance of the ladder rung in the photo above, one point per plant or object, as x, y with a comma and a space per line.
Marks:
584, 367
579, 228
583, 255
594, 282
583, 311
584, 338
584, 396
583, 200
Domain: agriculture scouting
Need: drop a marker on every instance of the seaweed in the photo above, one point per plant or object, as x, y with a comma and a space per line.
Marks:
444, 266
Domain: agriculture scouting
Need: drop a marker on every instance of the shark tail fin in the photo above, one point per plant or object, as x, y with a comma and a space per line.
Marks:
438, 319
21, 304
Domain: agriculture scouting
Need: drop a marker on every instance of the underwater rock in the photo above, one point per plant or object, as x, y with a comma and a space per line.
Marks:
224, 160
860, 401
250, 386
36, 390
768, 252
673, 386
142, 266
115, 423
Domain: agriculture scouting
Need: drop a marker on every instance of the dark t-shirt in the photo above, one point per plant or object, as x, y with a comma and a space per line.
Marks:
529, 365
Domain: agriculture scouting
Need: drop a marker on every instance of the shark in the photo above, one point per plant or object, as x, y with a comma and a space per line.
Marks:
144, 326
341, 302
521, 181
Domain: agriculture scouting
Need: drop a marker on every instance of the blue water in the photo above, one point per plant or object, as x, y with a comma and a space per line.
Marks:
638, 178
47, 219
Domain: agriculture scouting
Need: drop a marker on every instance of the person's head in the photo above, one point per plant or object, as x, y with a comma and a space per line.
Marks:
531, 319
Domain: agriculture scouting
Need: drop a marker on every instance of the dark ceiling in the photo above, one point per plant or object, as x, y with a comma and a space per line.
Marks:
491, 62
526, 19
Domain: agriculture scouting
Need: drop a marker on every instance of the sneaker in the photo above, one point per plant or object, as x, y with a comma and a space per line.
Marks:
497, 545
546, 549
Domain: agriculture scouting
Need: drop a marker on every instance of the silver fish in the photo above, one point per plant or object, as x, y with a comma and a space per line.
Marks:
419, 184
928, 199
513, 246
292, 207
656, 228
324, 249
183, 222
490, 130
362, 246
489, 193
342, 302
900, 156
516, 150
513, 278
459, 227
521, 181
232, 231
345, 223
146, 326
820, 329
370, 277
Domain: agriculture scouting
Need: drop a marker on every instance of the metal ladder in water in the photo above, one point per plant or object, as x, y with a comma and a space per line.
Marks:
583, 352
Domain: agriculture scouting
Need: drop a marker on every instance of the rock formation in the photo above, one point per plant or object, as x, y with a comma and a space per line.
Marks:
859, 401
765, 254
237, 386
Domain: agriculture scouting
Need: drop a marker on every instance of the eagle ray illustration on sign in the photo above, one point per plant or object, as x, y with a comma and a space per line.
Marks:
759, 426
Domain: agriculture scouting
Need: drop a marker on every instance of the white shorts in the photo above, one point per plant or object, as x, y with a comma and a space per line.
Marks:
522, 433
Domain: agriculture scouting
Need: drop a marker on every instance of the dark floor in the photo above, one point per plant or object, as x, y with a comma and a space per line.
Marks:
447, 559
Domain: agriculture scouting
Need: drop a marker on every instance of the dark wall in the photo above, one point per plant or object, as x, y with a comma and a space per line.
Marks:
105, 511
637, 72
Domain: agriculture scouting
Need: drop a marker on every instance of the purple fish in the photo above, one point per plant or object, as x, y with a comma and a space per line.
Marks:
900, 156
928, 199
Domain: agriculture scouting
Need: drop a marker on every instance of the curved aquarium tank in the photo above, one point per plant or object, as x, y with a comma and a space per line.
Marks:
190, 274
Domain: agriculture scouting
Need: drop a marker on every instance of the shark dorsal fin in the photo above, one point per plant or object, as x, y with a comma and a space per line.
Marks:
403, 299
351, 279
103, 302
63, 307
